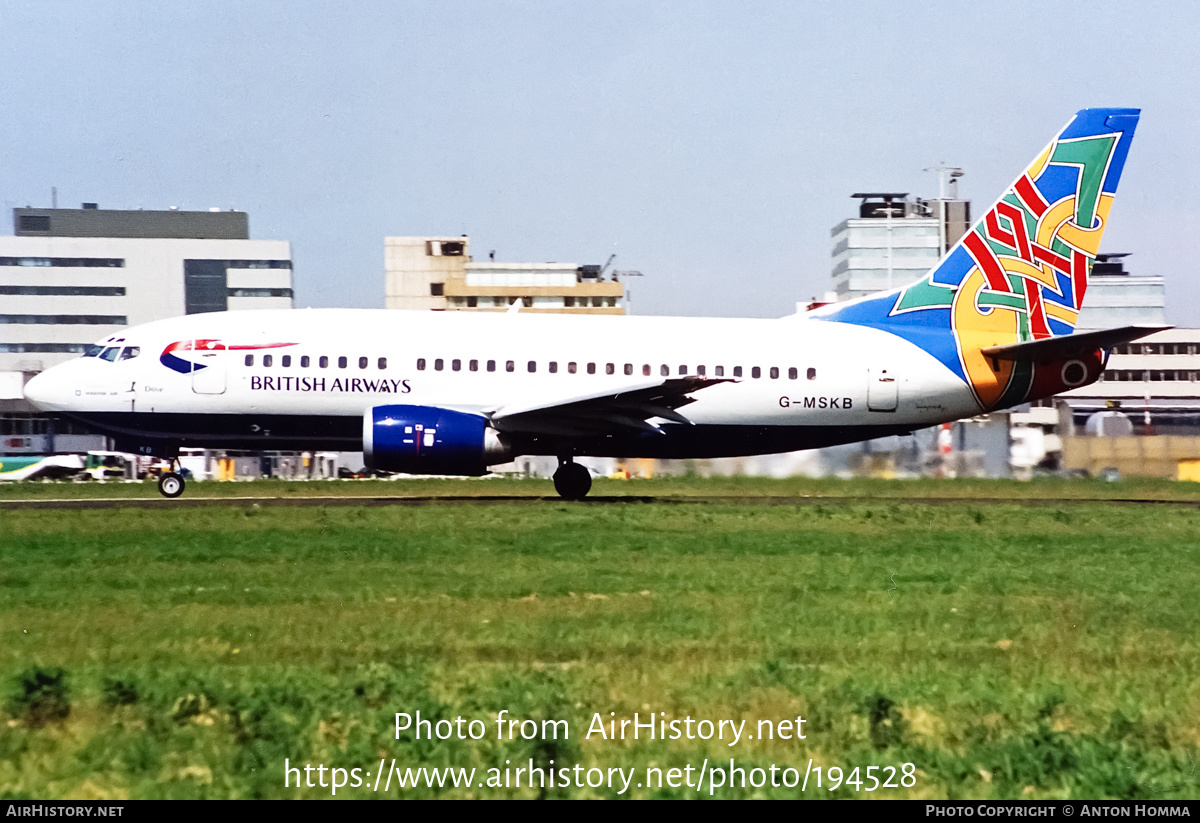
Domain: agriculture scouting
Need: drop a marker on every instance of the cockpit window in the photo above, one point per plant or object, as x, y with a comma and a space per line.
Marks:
110, 354
93, 351
130, 352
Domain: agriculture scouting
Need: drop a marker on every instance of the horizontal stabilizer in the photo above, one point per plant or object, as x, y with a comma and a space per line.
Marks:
1070, 345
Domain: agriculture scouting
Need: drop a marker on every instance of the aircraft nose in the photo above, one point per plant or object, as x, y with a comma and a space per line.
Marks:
43, 392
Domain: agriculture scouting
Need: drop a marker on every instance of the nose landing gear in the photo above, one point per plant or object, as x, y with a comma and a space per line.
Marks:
171, 483
572, 481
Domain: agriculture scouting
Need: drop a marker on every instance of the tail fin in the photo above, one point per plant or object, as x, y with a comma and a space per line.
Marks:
1021, 272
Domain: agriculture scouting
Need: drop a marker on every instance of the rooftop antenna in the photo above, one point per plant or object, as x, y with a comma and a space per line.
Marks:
54, 197
620, 277
947, 181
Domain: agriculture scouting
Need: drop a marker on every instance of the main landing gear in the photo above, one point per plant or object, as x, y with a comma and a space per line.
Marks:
171, 484
572, 481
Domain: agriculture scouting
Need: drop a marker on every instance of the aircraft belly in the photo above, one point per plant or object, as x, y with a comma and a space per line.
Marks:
286, 432
679, 441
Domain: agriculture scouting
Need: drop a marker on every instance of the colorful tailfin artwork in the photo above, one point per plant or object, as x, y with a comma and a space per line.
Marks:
1021, 272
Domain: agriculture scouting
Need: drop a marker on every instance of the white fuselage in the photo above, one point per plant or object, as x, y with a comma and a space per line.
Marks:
330, 364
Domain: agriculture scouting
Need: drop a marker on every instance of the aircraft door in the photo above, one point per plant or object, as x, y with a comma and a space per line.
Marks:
882, 390
208, 374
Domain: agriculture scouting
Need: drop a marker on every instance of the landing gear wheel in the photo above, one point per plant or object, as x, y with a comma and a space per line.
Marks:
170, 485
572, 481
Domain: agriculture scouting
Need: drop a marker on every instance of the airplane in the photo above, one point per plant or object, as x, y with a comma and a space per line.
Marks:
989, 327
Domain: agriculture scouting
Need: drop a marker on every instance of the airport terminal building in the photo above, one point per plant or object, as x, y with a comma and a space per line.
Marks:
69, 277
439, 274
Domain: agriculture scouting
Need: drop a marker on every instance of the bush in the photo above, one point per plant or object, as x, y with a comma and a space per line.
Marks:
119, 692
40, 696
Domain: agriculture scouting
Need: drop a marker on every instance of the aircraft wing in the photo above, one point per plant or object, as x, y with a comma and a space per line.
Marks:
613, 411
1069, 345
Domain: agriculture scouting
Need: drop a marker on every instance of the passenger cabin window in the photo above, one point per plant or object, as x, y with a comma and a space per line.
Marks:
362, 362
491, 365
304, 361
793, 373
532, 366
341, 362
737, 371
682, 370
323, 362
382, 363
456, 365
756, 372
473, 365
719, 371
249, 360
510, 365
812, 374
591, 368
266, 359
420, 364
439, 364
774, 372
665, 370
553, 367
646, 369
286, 361
628, 368
571, 367
700, 370
609, 368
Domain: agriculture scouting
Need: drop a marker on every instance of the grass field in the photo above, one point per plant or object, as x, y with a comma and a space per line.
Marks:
1004, 650
1043, 488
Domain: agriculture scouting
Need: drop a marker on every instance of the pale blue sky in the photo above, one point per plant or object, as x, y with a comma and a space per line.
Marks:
711, 145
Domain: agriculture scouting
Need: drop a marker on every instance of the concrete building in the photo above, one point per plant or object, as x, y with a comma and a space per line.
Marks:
1155, 381
69, 277
72, 276
438, 273
1117, 298
893, 241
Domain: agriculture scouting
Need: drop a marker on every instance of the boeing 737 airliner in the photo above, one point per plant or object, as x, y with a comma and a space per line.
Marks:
989, 327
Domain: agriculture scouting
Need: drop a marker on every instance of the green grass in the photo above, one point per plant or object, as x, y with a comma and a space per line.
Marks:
1007, 651
685, 486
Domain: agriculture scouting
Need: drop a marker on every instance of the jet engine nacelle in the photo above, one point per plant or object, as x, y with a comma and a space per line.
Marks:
429, 440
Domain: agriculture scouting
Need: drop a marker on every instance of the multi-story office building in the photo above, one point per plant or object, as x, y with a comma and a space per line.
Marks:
69, 277
893, 241
438, 273
1117, 298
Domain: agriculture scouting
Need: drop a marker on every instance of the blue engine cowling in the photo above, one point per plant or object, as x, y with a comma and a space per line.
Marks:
429, 440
